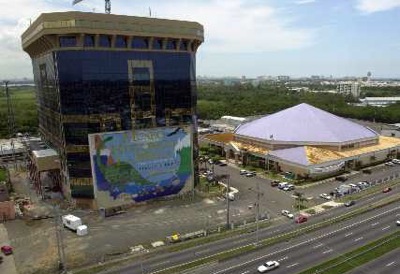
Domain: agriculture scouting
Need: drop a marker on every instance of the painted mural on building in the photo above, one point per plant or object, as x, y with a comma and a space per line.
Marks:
140, 165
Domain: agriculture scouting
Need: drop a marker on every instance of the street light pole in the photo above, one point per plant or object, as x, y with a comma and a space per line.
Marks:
228, 200
258, 211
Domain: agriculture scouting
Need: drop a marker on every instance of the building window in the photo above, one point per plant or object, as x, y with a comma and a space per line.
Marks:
67, 41
89, 41
184, 45
105, 41
157, 43
121, 42
140, 43
171, 44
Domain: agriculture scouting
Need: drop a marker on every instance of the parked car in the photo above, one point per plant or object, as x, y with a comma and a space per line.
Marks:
398, 222
243, 172
349, 203
396, 161
288, 187
282, 185
270, 265
287, 214
300, 219
222, 163
325, 196
275, 183
251, 174
6, 249
386, 189
389, 163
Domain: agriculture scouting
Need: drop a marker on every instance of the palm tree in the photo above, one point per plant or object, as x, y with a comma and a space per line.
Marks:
299, 200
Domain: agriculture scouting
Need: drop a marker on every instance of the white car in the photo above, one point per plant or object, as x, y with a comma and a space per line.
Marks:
288, 187
396, 161
389, 164
325, 196
243, 172
287, 214
270, 265
398, 222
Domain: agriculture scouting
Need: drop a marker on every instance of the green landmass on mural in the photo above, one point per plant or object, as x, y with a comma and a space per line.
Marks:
186, 161
119, 173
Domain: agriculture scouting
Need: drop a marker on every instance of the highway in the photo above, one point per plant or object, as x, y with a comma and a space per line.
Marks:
386, 264
152, 263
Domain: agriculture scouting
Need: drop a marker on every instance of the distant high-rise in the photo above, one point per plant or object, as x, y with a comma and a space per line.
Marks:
352, 88
117, 100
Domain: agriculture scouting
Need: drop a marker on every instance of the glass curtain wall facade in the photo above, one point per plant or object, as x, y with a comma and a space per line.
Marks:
94, 81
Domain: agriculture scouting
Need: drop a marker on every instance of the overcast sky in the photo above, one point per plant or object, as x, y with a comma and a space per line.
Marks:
247, 37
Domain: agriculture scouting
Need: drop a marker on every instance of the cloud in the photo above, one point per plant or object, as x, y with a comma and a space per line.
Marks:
371, 6
231, 26
302, 2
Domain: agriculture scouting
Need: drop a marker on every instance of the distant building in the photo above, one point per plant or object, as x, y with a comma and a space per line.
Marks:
283, 78
380, 101
352, 88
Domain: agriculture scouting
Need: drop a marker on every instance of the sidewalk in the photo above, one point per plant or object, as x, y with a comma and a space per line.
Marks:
8, 265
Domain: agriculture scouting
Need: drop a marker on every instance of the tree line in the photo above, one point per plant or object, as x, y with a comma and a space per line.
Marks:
247, 100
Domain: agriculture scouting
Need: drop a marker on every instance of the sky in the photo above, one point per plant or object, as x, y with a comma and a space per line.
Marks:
247, 37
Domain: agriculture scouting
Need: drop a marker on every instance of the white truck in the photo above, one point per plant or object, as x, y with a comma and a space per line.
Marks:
74, 223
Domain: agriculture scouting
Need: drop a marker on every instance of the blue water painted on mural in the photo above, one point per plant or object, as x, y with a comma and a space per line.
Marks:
144, 164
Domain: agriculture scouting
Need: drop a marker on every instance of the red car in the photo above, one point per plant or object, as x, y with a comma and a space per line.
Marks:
6, 249
386, 189
300, 219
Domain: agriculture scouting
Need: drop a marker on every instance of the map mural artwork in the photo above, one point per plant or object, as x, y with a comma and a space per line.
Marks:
140, 165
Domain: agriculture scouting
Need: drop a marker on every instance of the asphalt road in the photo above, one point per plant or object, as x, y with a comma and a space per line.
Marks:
386, 264
152, 263
305, 252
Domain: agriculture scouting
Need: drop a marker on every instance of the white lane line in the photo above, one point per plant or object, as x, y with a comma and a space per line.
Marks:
386, 227
289, 266
202, 251
284, 258
348, 234
318, 245
389, 264
240, 241
327, 251
374, 224
248, 271
397, 215
165, 262
358, 239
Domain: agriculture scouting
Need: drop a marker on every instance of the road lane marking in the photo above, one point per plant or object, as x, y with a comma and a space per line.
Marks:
165, 262
289, 266
327, 251
374, 224
386, 227
248, 271
318, 245
358, 239
389, 264
202, 251
348, 234
284, 258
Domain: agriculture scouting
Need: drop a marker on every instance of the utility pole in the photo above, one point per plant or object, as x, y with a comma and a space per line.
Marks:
226, 176
258, 211
60, 245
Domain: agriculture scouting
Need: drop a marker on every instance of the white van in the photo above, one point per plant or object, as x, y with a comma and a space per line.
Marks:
282, 185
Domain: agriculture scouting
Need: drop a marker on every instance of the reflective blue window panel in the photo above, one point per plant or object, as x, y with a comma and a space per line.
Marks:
105, 41
67, 41
89, 40
121, 42
140, 43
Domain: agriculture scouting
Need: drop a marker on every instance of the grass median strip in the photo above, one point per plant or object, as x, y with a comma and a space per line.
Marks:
357, 257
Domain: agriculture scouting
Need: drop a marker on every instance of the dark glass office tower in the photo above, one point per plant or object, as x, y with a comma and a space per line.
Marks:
103, 82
